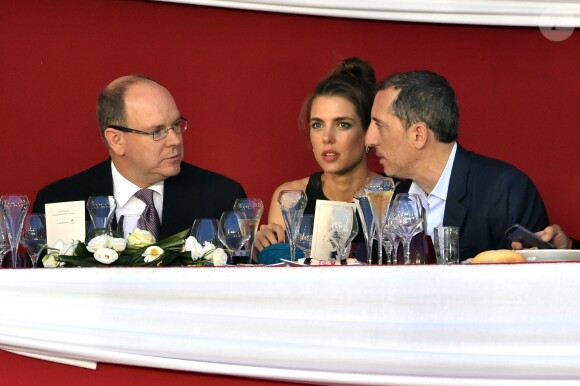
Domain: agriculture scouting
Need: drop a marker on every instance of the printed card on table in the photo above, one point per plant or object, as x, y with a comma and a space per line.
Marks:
321, 247
65, 221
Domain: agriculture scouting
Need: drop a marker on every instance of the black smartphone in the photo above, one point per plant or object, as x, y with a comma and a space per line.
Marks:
528, 239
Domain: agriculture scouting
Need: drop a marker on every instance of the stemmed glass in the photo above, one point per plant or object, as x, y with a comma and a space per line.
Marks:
34, 236
342, 231
304, 239
249, 211
101, 209
365, 213
390, 240
14, 208
407, 216
4, 241
205, 230
292, 204
232, 237
379, 191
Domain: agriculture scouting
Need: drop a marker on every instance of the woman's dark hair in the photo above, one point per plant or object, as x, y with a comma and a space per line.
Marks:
353, 79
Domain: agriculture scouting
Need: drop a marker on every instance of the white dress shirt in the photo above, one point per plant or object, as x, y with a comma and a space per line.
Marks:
434, 203
127, 203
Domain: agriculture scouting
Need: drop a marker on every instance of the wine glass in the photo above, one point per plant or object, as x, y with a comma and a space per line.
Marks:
379, 191
292, 204
342, 231
249, 211
407, 215
390, 240
101, 209
205, 230
365, 213
4, 241
231, 236
14, 208
33, 236
304, 238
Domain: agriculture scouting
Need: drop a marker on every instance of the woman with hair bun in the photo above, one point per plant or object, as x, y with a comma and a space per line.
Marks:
336, 117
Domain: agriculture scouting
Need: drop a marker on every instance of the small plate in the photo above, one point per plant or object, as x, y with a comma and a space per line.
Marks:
549, 255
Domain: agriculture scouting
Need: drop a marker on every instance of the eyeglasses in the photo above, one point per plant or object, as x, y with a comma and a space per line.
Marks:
178, 127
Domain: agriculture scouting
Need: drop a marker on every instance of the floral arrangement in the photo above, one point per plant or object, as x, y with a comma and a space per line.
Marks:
140, 249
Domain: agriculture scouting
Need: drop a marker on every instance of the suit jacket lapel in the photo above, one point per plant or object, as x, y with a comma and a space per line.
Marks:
455, 209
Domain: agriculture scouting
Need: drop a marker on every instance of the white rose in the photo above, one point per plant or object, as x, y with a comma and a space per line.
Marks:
207, 247
68, 249
218, 257
106, 255
101, 241
152, 253
117, 243
140, 238
191, 245
52, 261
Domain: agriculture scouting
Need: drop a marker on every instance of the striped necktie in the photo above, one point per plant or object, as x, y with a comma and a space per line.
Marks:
149, 218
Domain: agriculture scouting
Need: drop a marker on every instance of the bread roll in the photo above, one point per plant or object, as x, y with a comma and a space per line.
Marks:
498, 256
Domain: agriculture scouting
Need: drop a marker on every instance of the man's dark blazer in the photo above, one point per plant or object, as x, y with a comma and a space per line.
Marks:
193, 193
485, 197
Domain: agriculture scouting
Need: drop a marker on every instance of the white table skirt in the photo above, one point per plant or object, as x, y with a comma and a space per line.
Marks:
400, 325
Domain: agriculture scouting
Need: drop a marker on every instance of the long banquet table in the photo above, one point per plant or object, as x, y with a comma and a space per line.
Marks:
504, 324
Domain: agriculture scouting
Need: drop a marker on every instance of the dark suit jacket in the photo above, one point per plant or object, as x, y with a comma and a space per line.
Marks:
193, 193
485, 198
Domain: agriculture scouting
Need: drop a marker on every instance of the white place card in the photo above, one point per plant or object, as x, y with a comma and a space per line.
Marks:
321, 247
65, 221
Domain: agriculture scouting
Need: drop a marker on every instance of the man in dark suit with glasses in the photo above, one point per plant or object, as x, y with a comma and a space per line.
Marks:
142, 129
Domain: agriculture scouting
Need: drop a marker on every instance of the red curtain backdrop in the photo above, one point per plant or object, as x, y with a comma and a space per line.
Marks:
240, 78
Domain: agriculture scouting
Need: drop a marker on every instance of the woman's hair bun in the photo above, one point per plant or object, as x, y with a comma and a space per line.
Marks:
357, 68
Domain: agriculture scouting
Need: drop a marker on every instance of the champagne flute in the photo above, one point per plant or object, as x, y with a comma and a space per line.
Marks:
408, 219
4, 241
14, 208
365, 213
342, 231
33, 236
292, 204
205, 230
304, 239
231, 236
249, 211
379, 191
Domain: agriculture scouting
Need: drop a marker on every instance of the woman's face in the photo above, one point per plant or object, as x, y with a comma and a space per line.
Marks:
336, 134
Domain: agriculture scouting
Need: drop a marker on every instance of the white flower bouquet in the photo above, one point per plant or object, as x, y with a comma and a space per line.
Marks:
140, 249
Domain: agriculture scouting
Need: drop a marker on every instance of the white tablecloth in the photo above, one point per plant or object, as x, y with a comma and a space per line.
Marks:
400, 325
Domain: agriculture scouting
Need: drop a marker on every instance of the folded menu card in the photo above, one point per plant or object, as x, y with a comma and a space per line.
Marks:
322, 249
65, 221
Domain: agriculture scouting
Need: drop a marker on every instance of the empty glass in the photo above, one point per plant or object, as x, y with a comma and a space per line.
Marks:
4, 241
205, 230
101, 209
407, 217
292, 204
342, 231
33, 236
14, 208
365, 213
232, 237
304, 239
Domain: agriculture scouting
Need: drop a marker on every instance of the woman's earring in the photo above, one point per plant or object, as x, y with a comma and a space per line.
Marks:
367, 149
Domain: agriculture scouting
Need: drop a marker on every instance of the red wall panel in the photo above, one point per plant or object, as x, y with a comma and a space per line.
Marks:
240, 78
